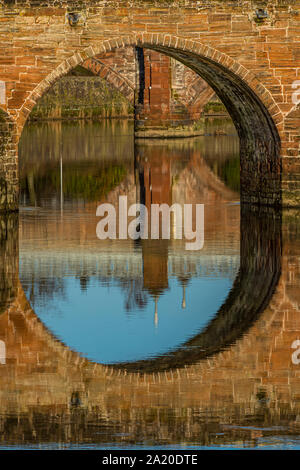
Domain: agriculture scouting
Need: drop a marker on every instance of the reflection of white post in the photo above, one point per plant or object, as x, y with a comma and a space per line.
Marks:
155, 313
183, 305
2, 353
2, 92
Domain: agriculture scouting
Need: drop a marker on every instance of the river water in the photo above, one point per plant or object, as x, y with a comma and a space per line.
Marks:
129, 343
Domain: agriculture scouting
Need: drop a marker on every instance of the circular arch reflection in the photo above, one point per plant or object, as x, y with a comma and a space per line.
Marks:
260, 269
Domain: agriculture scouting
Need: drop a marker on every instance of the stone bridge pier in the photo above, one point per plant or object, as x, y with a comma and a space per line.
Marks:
248, 55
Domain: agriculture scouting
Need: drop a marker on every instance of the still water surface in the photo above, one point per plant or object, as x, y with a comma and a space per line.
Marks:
128, 343
120, 301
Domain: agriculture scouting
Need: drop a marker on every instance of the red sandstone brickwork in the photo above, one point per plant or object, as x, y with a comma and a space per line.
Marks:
155, 108
38, 46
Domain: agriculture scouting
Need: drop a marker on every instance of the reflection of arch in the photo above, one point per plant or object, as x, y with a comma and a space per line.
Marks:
249, 103
203, 173
260, 269
259, 273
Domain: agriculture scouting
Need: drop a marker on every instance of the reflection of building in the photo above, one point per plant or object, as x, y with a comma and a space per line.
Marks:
155, 188
155, 268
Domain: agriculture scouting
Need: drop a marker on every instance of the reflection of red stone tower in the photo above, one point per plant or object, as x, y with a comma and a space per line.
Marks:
155, 181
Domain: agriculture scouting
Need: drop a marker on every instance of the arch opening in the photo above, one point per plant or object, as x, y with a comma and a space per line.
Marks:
248, 102
260, 181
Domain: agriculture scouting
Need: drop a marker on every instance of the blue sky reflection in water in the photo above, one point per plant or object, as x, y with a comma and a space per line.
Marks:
108, 314
94, 322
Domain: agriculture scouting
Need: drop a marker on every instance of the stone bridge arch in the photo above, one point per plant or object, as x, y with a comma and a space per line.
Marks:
9, 265
255, 114
260, 270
